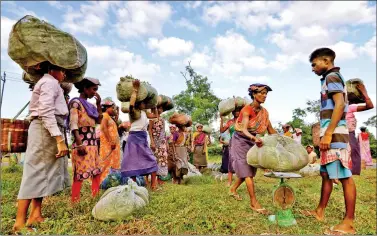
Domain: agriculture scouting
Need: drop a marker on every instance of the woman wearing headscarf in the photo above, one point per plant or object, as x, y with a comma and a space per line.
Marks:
82, 122
355, 145
181, 155
253, 120
43, 169
230, 126
365, 147
158, 143
199, 147
171, 150
110, 143
138, 158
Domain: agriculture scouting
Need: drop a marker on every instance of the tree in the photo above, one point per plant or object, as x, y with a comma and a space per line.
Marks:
314, 107
197, 100
372, 121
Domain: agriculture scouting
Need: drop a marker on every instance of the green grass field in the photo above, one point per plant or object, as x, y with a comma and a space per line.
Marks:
199, 206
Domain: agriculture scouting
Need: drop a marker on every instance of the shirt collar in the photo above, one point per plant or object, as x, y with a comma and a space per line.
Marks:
334, 69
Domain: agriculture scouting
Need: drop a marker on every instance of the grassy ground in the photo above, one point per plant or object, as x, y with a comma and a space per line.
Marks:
200, 206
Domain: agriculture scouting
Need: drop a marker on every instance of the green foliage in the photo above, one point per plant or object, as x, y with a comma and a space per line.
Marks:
215, 150
197, 100
314, 106
373, 144
372, 121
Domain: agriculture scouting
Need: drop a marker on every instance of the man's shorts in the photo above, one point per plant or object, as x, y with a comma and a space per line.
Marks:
336, 170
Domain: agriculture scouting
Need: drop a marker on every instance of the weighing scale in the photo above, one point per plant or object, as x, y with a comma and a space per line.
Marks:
283, 197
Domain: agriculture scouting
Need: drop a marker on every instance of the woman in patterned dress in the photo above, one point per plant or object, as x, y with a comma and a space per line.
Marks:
82, 122
199, 147
171, 150
159, 144
110, 142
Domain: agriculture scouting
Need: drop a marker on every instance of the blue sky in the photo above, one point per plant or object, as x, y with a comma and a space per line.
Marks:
234, 44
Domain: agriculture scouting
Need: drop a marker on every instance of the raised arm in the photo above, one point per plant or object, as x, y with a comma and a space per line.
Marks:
368, 102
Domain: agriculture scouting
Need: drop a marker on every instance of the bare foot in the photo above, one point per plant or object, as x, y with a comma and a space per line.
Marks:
316, 214
17, 229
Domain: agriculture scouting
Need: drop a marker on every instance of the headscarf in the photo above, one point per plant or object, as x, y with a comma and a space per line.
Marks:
257, 88
197, 125
95, 81
298, 130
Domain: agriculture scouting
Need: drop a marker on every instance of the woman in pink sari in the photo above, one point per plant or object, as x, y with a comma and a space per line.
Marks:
365, 147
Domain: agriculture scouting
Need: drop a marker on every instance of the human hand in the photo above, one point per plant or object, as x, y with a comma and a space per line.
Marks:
324, 144
136, 84
81, 150
62, 149
98, 99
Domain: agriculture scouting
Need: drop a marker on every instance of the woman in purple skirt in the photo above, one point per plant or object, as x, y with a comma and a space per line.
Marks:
253, 120
138, 158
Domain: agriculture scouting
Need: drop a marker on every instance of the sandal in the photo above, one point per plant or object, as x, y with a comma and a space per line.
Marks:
310, 214
333, 231
262, 211
236, 196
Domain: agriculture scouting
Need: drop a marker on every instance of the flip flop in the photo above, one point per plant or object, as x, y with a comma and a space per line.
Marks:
310, 214
333, 231
262, 211
236, 196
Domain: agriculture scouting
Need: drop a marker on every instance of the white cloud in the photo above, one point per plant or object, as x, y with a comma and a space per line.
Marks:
110, 63
89, 19
175, 63
232, 46
184, 23
170, 46
251, 79
344, 50
57, 4
369, 48
192, 4
18, 11
246, 15
199, 60
6, 28
255, 62
136, 19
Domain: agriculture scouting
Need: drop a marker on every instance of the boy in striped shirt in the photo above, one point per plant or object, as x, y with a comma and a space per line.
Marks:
335, 161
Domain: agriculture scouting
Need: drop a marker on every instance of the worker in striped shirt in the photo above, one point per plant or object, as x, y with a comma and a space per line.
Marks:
335, 159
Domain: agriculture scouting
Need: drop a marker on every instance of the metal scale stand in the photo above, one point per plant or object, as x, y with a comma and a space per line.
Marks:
283, 197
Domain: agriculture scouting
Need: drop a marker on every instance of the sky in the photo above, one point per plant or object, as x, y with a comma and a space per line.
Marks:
234, 44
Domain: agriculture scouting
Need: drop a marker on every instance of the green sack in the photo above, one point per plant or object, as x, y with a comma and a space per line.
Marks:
32, 42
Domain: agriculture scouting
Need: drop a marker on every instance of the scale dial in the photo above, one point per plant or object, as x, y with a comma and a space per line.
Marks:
284, 197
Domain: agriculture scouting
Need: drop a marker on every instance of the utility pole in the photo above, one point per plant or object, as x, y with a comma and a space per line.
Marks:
2, 85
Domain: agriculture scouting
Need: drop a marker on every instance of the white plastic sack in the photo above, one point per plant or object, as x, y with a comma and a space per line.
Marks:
192, 171
119, 202
310, 170
227, 106
278, 153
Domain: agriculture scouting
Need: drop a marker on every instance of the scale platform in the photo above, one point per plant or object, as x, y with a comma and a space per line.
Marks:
283, 197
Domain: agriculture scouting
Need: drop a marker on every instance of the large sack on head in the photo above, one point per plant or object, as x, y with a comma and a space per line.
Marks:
179, 119
125, 107
207, 129
316, 131
353, 94
152, 98
33, 42
227, 106
166, 102
119, 202
278, 153
124, 89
